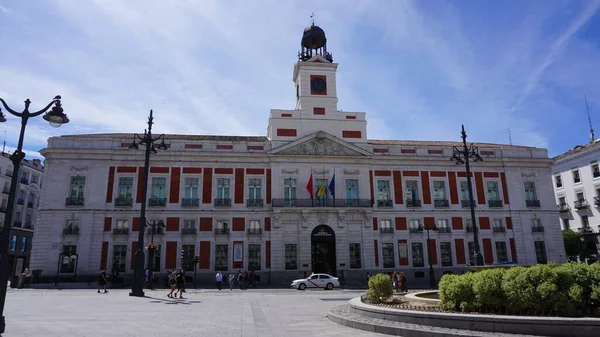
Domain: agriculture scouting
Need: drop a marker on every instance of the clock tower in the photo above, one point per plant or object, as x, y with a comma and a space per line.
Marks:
316, 98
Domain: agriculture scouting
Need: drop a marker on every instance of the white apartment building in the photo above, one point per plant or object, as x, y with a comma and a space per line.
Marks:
576, 181
23, 224
242, 203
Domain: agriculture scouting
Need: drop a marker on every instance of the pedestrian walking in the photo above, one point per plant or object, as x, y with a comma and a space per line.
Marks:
219, 279
102, 281
172, 283
240, 280
179, 277
368, 277
403, 282
182, 272
231, 281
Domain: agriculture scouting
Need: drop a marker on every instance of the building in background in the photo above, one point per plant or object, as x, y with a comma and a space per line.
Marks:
21, 234
313, 195
576, 181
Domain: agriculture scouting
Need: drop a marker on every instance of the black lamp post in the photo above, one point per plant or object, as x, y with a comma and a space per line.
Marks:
147, 140
429, 251
152, 225
56, 118
462, 156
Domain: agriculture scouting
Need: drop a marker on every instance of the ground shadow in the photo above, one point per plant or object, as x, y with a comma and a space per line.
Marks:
171, 300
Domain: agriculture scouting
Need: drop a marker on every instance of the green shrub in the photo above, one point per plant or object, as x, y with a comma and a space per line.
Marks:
380, 288
569, 290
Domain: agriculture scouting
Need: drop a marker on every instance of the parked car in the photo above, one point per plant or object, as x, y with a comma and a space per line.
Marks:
324, 281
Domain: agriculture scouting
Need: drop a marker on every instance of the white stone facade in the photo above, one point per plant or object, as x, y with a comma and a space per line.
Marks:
576, 182
373, 216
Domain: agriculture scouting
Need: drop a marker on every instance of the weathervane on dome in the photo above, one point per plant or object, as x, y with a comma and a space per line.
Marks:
312, 19
314, 42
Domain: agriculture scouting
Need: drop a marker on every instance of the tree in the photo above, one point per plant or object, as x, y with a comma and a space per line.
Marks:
573, 243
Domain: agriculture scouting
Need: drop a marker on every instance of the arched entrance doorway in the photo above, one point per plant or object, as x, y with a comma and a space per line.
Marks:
323, 250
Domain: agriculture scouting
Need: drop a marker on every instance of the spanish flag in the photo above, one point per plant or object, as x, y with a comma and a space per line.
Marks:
309, 186
321, 190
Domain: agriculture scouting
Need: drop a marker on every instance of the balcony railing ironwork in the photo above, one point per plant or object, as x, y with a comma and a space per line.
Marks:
413, 203
190, 202
441, 203
469, 229
28, 225
444, 230
189, 231
585, 230
24, 181
385, 203
123, 201
17, 224
581, 204
74, 201
467, 203
157, 230
121, 231
223, 202
386, 230
254, 231
499, 229
563, 207
596, 174
71, 231
3, 209
532, 203
495, 203
221, 231
254, 203
6, 190
30, 204
537, 229
20, 201
322, 203
157, 202
415, 230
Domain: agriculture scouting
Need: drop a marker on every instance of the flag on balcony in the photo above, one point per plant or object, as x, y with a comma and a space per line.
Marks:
321, 190
309, 185
332, 186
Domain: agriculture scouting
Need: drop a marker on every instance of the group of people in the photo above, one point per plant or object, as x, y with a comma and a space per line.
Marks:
399, 282
243, 279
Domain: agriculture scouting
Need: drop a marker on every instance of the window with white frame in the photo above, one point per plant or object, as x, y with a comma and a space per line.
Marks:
254, 257
383, 190
446, 254
464, 191
125, 187
254, 226
387, 250
414, 225
77, 187
291, 260
501, 253
189, 224
159, 185
289, 188
221, 260
412, 190
386, 226
351, 189
121, 224
498, 223
119, 258
576, 177
469, 224
471, 252
191, 188
417, 254
443, 226
72, 224
222, 224
254, 189
595, 170
558, 180
530, 193
355, 257
439, 190
540, 251
492, 190
223, 186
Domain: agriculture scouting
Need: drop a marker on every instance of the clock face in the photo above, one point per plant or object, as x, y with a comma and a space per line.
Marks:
318, 85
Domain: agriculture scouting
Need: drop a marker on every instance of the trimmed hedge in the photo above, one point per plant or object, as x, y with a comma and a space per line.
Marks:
571, 290
380, 288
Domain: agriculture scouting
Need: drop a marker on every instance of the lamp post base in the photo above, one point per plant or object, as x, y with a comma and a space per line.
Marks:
2, 324
137, 293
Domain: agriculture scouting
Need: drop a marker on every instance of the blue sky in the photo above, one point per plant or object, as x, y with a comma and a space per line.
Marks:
418, 68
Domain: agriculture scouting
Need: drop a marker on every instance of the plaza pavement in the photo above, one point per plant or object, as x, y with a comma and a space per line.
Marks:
203, 312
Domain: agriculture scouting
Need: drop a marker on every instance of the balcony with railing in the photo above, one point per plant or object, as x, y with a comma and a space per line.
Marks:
20, 201
585, 230
415, 230
537, 229
123, 201
413, 203
254, 203
532, 203
441, 203
385, 203
469, 229
467, 203
581, 204
17, 224
157, 202
28, 225
156, 231
221, 231
444, 230
563, 207
30, 204
596, 174
121, 231
495, 203
223, 202
71, 231
386, 230
254, 231
190, 202
499, 229
74, 201
24, 181
2, 209
6, 190
189, 231
346, 203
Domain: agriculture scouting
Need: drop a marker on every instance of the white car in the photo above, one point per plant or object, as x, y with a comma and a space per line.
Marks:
324, 281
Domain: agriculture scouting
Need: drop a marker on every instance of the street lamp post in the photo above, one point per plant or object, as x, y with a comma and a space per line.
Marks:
138, 275
56, 118
429, 251
462, 156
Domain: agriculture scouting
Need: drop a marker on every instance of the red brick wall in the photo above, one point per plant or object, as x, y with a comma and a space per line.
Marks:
239, 186
111, 184
398, 192
426, 188
172, 224
480, 188
107, 224
239, 224
206, 224
459, 245
175, 180
488, 253
207, 186
400, 223
204, 255
171, 255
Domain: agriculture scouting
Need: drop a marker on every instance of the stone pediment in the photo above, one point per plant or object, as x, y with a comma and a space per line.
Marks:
320, 144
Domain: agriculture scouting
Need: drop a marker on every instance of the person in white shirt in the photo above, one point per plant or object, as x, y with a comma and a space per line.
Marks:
219, 279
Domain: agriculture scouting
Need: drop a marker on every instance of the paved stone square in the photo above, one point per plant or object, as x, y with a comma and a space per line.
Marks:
254, 312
